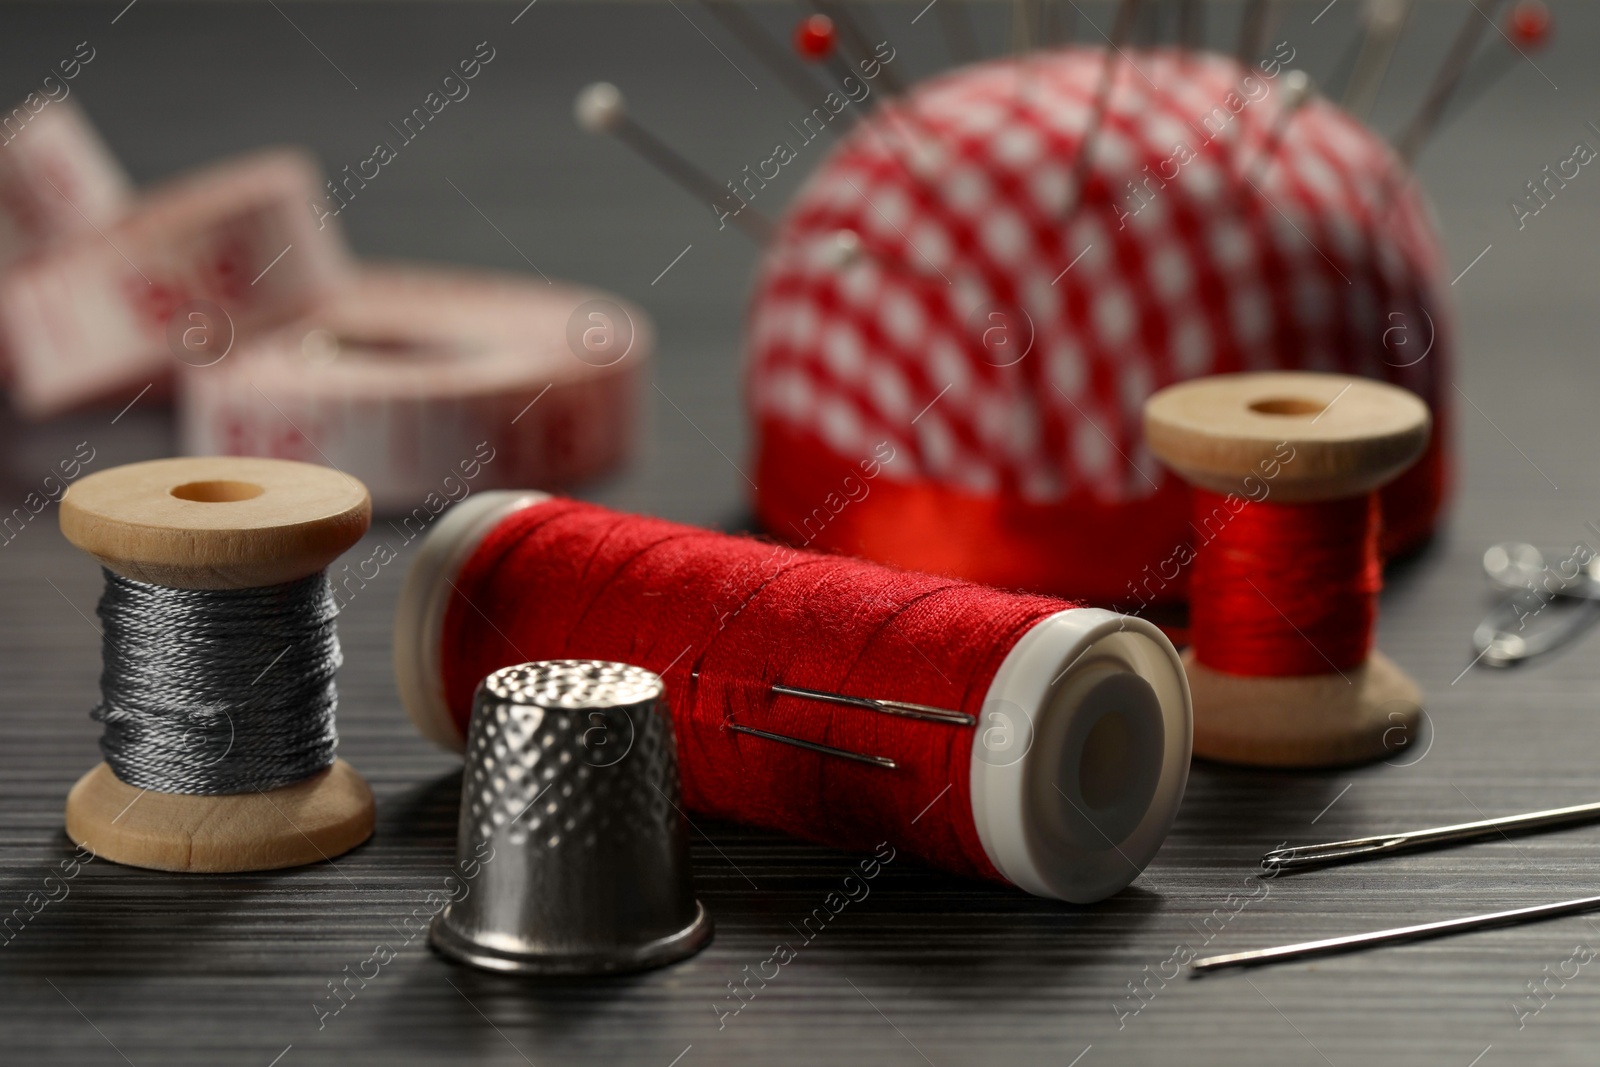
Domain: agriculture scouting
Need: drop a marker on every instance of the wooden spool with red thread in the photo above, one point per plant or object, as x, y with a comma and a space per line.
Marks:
1285, 564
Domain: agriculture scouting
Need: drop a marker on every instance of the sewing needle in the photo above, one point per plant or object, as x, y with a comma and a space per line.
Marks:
1423, 932
1358, 849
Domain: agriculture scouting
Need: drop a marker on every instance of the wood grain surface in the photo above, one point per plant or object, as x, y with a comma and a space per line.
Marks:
132, 966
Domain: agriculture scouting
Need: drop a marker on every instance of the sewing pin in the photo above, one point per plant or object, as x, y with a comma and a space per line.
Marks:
844, 249
816, 40
1426, 931
600, 108
738, 21
1122, 24
1191, 25
1253, 29
1024, 19
1385, 20
1446, 80
955, 24
1297, 89
1527, 29
857, 36
1357, 849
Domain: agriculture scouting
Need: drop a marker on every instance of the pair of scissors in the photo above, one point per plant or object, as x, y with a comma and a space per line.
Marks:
1551, 605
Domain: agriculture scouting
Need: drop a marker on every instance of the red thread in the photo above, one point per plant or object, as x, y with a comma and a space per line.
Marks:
1081, 547
1284, 589
722, 618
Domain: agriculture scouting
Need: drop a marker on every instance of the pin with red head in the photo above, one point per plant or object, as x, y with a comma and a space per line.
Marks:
815, 38
1529, 25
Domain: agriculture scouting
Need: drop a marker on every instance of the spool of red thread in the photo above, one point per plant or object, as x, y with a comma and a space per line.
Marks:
1284, 565
1063, 778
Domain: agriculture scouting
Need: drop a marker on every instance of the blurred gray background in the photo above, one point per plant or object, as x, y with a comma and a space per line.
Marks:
148, 968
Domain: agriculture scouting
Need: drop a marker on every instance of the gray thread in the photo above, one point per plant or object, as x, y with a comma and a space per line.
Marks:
215, 691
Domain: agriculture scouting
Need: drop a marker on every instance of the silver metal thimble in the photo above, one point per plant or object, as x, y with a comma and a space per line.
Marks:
570, 827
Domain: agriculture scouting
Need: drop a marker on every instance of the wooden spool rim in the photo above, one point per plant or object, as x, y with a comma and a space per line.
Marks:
307, 822
1366, 713
1306, 436
216, 522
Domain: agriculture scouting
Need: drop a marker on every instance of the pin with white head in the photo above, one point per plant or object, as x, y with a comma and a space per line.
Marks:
1383, 22
601, 108
844, 249
1297, 89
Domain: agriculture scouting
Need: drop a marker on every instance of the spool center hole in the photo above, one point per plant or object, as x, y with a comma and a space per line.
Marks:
218, 492
1105, 767
1287, 405
325, 346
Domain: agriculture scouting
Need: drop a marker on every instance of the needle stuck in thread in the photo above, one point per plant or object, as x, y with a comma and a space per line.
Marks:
902, 709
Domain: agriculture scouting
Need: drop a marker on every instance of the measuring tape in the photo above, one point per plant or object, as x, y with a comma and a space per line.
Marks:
57, 178
410, 377
109, 310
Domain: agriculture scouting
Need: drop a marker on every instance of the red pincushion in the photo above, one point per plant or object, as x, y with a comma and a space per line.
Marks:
1317, 254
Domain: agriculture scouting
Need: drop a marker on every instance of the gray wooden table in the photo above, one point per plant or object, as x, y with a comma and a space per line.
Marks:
149, 968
